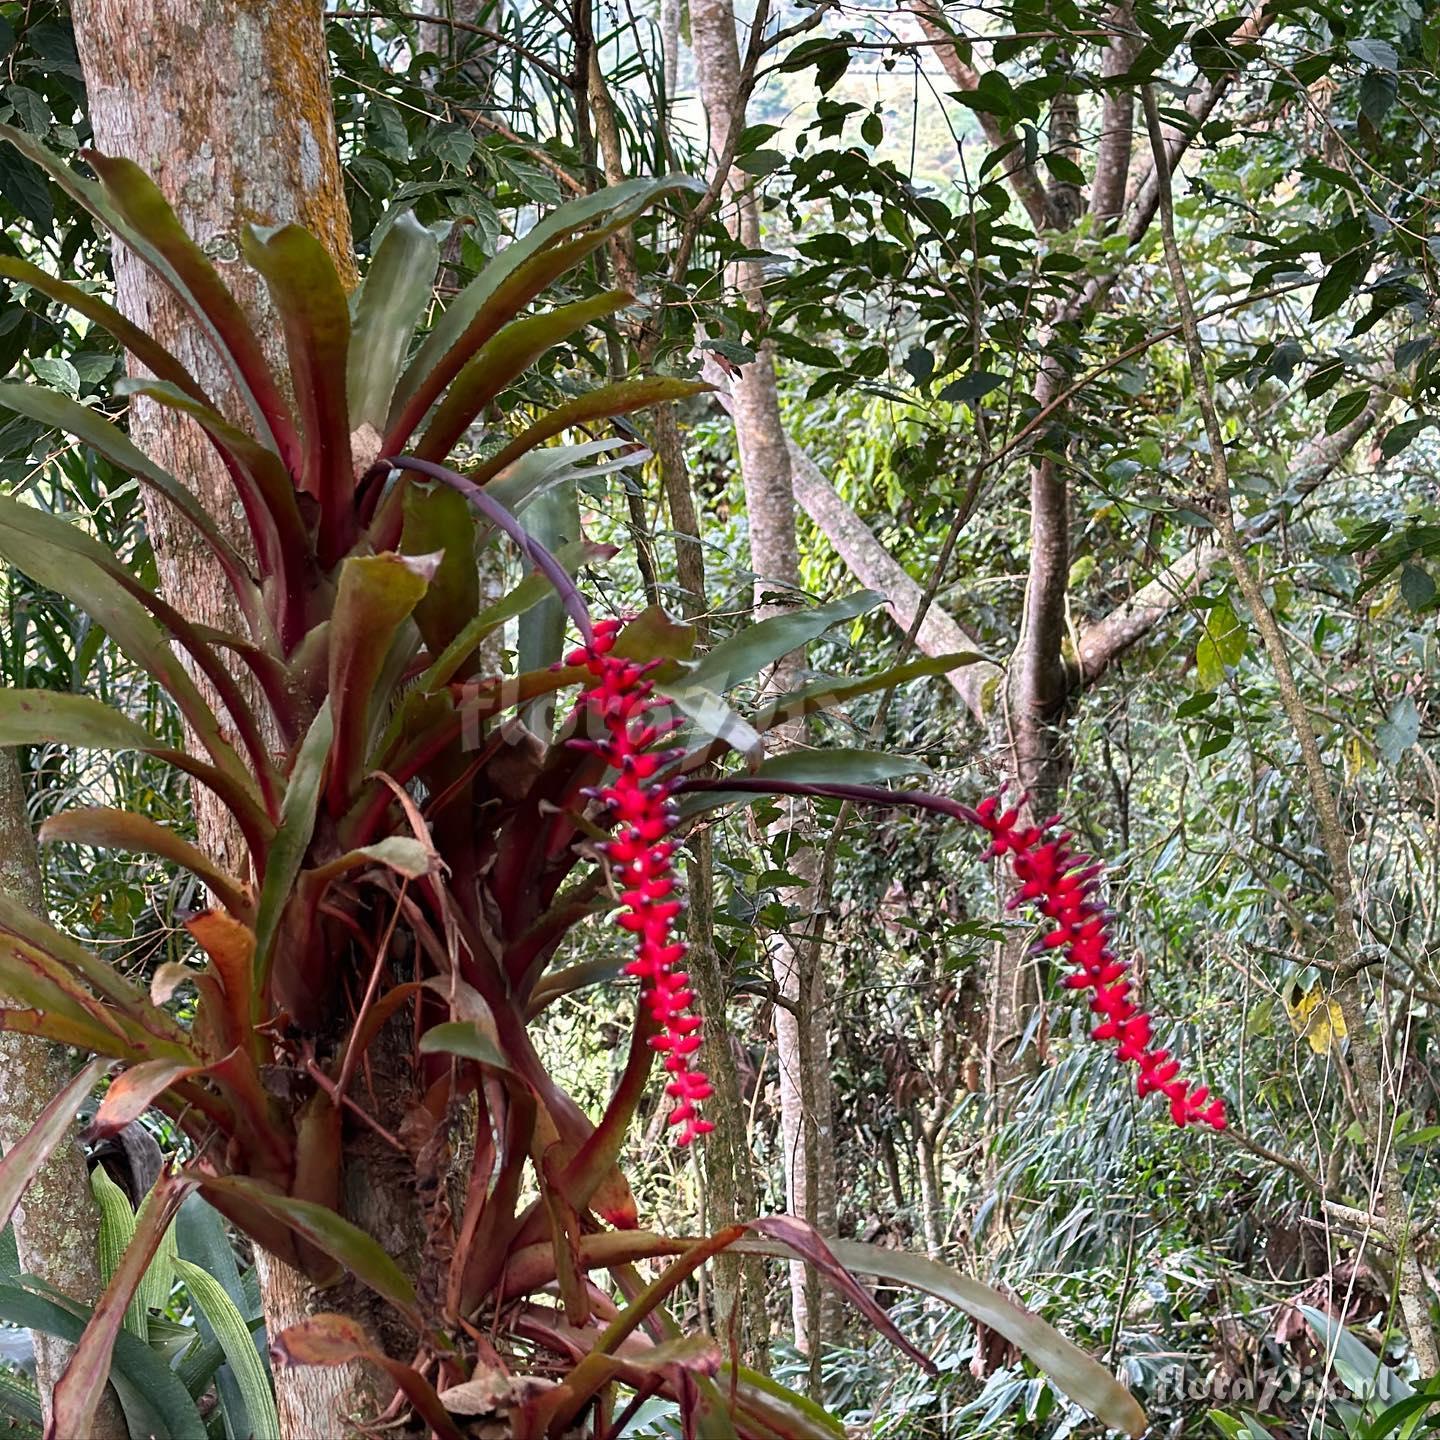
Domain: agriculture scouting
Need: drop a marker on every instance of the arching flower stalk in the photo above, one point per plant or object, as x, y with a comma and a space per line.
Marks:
642, 855
1063, 886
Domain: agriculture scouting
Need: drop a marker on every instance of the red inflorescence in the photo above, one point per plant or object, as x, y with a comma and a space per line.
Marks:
642, 857
1063, 885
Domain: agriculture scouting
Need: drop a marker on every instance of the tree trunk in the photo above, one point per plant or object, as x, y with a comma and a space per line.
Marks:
801, 1051
226, 103
57, 1224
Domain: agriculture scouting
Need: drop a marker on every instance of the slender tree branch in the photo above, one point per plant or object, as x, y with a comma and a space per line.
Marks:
1368, 1089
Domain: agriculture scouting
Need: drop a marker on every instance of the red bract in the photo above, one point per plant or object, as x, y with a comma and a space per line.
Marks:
1063, 885
642, 858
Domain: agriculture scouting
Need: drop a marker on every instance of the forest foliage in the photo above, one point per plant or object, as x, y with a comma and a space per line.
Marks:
1215, 663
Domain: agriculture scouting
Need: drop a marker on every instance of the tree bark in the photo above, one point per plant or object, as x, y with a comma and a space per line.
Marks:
226, 104
801, 1050
57, 1222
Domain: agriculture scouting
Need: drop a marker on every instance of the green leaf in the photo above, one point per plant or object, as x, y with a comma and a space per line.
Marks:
329, 1233
203, 1240
1221, 646
250, 1410
1398, 437
502, 360
1417, 589
292, 839
755, 647
1339, 283
465, 1038
375, 596
1400, 730
156, 1404
516, 275
1346, 409
1084, 1380
388, 306
1063, 168
39, 717
1379, 53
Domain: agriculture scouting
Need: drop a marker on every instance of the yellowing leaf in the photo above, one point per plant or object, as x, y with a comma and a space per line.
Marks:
1316, 1018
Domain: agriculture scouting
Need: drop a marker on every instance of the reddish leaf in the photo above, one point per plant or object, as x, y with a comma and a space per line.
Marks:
183, 266
109, 829
131, 1094
316, 317
29, 1154
78, 1393
602, 404
231, 948
337, 1340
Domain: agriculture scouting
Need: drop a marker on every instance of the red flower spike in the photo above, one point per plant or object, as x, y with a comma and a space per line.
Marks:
622, 701
1059, 883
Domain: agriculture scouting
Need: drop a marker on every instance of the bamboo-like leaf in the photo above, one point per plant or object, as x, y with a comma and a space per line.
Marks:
603, 404
388, 306
502, 360
315, 315
52, 1127
337, 1339
329, 1233
117, 1230
250, 1410
377, 594
110, 829
154, 356
77, 1395
510, 282
203, 1240
156, 1404
185, 268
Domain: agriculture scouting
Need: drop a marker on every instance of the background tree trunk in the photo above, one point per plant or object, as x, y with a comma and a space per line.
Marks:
802, 1049
57, 1225
226, 103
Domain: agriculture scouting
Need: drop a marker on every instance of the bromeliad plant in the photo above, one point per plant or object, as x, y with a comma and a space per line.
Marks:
416, 856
